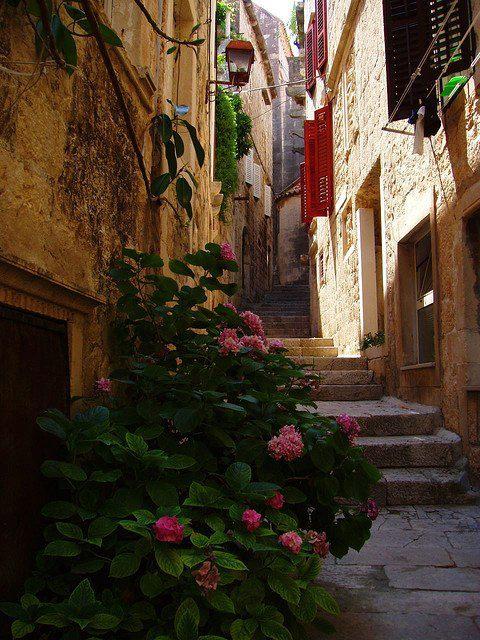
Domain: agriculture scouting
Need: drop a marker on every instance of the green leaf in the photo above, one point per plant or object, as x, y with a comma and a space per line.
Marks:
170, 561
306, 609
53, 620
108, 35
243, 629
74, 13
311, 568
184, 192
229, 561
82, 595
104, 621
179, 145
21, 628
285, 586
238, 475
70, 530
324, 600
293, 495
106, 476
62, 548
59, 510
199, 540
51, 426
171, 158
187, 618
275, 630
11, 609
215, 522
123, 565
187, 419
179, 461
135, 527
152, 584
160, 184
136, 444
221, 602
179, 267
56, 469
164, 126
199, 151
162, 493
101, 527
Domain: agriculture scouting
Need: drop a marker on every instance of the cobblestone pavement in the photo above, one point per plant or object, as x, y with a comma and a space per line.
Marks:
418, 578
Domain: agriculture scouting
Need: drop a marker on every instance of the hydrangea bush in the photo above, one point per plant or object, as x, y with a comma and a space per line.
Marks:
198, 494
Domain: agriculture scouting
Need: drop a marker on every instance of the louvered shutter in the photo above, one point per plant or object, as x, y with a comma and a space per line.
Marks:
310, 137
303, 194
249, 167
324, 168
410, 26
321, 34
257, 181
447, 43
267, 201
310, 56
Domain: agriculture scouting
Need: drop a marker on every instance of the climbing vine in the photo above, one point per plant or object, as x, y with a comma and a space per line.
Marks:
244, 127
226, 170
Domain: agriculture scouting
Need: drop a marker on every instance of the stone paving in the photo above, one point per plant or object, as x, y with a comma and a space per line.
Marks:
418, 578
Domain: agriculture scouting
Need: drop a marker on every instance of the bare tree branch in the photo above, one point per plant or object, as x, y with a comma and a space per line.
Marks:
156, 28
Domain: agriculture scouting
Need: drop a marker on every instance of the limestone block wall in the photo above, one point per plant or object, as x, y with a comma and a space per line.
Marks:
378, 170
71, 192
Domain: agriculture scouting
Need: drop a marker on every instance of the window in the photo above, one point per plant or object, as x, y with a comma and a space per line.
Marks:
321, 33
424, 299
248, 160
257, 181
417, 298
267, 201
410, 26
310, 56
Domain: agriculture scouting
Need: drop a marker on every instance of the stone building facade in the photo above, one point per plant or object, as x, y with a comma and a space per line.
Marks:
71, 195
399, 252
251, 217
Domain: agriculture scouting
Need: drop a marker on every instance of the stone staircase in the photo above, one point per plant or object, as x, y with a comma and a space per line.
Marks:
421, 462
285, 311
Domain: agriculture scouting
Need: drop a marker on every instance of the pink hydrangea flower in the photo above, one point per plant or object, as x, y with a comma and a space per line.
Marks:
168, 529
253, 342
350, 427
274, 345
226, 251
371, 509
287, 445
319, 543
229, 342
104, 384
291, 541
251, 519
207, 576
277, 501
253, 322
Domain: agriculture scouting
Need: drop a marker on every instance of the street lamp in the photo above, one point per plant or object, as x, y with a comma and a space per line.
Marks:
240, 57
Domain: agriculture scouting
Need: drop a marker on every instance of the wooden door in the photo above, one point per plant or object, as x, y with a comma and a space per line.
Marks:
34, 376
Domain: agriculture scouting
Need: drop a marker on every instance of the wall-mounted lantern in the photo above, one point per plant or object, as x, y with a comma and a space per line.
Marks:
240, 57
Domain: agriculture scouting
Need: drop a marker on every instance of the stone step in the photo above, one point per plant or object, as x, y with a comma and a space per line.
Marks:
287, 320
321, 352
424, 486
307, 342
363, 376
292, 332
348, 392
329, 363
386, 417
282, 313
442, 449
312, 351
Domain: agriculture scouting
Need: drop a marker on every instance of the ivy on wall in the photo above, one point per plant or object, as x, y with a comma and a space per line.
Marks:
226, 170
244, 127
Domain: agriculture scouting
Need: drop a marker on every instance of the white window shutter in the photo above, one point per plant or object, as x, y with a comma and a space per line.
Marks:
249, 167
257, 181
268, 201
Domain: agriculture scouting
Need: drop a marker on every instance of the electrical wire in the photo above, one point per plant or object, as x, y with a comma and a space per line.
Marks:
270, 110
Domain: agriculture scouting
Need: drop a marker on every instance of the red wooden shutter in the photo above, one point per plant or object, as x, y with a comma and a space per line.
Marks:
310, 56
303, 193
311, 156
322, 45
324, 164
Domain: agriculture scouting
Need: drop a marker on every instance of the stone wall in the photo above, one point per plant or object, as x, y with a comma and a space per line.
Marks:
71, 191
292, 240
378, 170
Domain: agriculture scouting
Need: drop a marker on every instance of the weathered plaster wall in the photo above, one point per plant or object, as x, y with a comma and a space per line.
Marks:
70, 189
292, 241
378, 169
